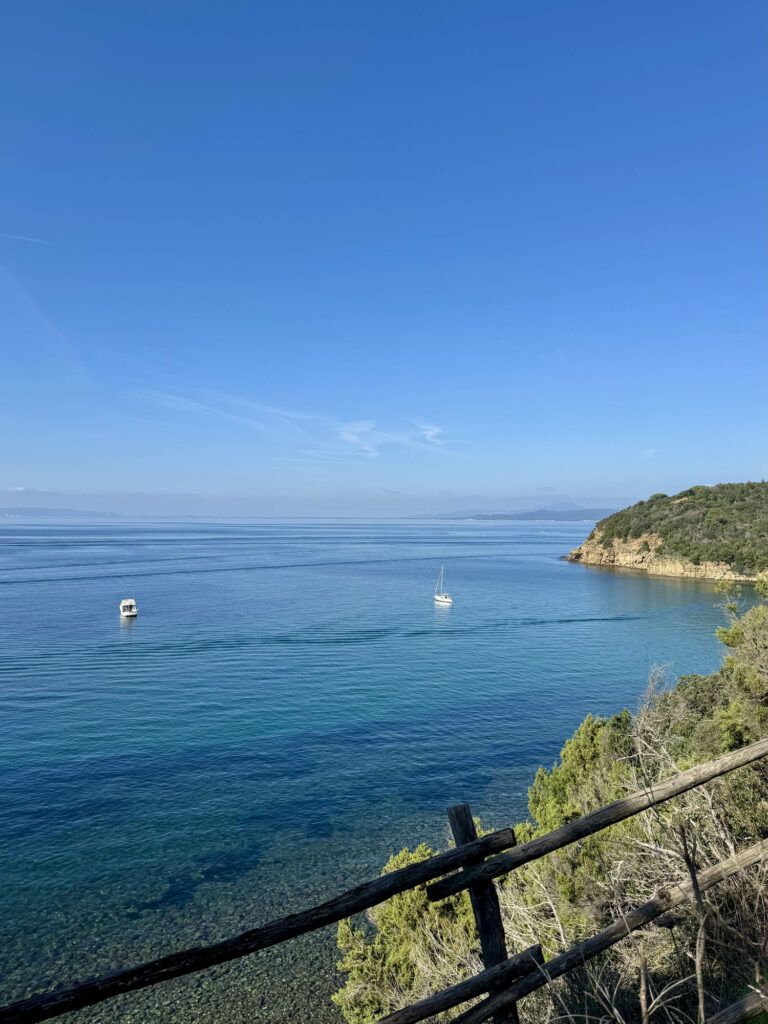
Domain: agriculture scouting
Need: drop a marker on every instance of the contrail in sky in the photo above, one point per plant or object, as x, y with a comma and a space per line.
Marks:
25, 238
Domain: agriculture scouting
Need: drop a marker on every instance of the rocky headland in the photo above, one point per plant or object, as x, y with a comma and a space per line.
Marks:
644, 554
715, 533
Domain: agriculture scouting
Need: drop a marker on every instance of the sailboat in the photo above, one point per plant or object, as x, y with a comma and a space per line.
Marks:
441, 597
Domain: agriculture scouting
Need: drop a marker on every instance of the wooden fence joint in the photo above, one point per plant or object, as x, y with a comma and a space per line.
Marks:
486, 908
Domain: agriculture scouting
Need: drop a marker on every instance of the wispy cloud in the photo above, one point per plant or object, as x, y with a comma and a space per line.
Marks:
273, 410
25, 238
288, 416
363, 435
367, 437
332, 440
178, 403
431, 434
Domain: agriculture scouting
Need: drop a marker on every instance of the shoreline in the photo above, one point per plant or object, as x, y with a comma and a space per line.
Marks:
642, 554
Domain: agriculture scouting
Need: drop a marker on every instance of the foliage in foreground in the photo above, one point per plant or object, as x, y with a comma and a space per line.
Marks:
727, 524
409, 947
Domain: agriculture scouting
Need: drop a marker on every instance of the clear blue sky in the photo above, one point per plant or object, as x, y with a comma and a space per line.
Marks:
307, 257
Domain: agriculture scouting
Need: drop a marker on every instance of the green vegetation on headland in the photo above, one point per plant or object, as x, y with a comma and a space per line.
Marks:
410, 947
705, 531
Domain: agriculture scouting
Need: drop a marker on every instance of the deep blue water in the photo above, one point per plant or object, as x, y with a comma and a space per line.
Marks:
288, 710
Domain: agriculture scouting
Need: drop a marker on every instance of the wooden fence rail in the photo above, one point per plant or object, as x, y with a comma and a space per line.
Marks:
475, 873
750, 1005
498, 977
598, 820
664, 901
530, 972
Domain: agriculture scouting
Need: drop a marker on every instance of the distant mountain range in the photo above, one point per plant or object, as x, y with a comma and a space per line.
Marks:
564, 515
557, 515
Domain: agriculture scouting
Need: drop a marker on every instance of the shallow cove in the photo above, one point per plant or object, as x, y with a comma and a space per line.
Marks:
289, 708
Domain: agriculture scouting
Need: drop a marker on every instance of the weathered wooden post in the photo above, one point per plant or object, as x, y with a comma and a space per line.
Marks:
485, 904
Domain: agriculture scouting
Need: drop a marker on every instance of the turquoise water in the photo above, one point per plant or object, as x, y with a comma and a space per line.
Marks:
288, 710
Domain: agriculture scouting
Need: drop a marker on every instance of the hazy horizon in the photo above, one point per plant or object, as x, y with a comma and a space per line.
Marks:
351, 505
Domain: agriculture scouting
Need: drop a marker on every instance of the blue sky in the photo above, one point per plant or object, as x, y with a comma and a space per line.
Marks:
381, 257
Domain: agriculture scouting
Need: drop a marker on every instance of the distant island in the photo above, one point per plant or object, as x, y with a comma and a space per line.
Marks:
716, 532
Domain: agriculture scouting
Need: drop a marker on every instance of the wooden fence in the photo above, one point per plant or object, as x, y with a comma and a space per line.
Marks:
472, 865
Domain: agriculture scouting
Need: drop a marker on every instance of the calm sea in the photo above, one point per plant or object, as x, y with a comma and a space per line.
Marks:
288, 710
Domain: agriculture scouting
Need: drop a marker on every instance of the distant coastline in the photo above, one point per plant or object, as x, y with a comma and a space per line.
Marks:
536, 515
41, 512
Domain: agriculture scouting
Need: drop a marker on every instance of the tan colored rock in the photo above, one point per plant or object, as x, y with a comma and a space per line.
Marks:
642, 554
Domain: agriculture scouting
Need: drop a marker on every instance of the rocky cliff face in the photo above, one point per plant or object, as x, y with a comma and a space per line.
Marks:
643, 554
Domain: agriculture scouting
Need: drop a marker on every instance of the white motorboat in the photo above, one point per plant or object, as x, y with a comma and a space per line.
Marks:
441, 597
128, 608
